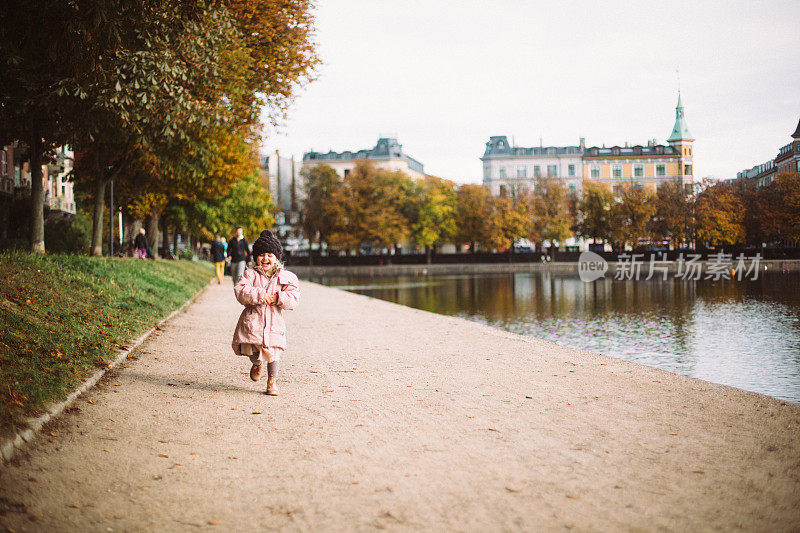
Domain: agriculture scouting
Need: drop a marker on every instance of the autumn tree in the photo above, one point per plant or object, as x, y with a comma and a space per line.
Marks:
320, 182
720, 214
474, 209
437, 211
508, 222
631, 216
368, 209
673, 219
594, 212
550, 211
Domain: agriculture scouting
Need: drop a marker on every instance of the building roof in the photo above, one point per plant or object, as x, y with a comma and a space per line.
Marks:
498, 145
680, 132
796, 134
386, 148
632, 151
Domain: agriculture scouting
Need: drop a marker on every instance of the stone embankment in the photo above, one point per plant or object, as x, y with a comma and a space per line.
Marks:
395, 418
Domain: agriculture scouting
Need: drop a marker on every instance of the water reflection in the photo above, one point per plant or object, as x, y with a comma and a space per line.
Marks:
745, 334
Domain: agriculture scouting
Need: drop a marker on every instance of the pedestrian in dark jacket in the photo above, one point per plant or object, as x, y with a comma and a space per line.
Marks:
218, 257
141, 244
239, 254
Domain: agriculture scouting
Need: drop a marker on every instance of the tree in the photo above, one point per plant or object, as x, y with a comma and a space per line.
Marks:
788, 185
673, 218
550, 211
474, 204
369, 208
436, 221
320, 182
594, 212
631, 215
720, 214
509, 221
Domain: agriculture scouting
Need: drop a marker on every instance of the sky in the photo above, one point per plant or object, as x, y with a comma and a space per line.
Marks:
442, 76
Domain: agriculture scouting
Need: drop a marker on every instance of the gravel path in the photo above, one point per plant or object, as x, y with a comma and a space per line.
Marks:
396, 418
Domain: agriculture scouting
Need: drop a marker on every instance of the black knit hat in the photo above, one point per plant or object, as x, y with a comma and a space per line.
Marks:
267, 244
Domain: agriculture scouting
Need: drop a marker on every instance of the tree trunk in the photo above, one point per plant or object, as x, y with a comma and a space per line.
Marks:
428, 255
97, 221
37, 196
166, 254
175, 242
152, 233
310, 252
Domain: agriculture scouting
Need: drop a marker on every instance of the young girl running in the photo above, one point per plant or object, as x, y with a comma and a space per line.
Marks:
265, 291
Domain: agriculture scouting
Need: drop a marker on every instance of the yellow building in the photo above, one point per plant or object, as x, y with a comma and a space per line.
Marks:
646, 167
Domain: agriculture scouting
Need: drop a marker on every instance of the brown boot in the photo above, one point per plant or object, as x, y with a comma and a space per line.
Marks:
272, 389
255, 372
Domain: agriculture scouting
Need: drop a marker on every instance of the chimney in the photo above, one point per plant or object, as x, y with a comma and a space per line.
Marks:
583, 143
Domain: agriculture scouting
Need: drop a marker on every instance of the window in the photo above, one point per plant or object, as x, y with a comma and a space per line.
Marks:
552, 170
522, 172
617, 190
690, 151
616, 171
687, 170
502, 190
595, 171
537, 171
487, 172
502, 172
572, 187
638, 171
661, 170
571, 170
4, 163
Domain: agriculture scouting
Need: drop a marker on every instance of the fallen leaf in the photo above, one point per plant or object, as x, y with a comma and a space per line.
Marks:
214, 523
256, 413
697, 472
509, 489
33, 480
75, 505
163, 455
52, 434
232, 457
90, 401
106, 450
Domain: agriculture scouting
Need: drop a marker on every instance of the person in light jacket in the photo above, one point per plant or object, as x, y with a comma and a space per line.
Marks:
265, 291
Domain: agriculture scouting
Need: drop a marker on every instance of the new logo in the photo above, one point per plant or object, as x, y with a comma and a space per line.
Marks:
591, 266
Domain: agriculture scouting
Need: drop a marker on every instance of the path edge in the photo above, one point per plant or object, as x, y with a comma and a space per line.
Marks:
19, 438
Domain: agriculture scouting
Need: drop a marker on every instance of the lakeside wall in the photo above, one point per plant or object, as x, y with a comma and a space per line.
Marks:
306, 272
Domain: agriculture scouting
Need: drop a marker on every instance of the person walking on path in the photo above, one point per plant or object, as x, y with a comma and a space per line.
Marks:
218, 258
141, 244
265, 291
239, 255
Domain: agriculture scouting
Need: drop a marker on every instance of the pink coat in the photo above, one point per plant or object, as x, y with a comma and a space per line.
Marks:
260, 323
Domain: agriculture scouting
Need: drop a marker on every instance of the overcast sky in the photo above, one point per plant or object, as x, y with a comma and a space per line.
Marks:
442, 76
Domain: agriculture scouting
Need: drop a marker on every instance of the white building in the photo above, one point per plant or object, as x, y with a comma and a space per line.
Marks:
511, 169
387, 154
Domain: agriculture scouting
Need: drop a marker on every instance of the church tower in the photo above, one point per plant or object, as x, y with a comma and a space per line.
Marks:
681, 140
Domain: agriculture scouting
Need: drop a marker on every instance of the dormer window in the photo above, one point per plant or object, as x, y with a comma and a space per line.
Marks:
615, 150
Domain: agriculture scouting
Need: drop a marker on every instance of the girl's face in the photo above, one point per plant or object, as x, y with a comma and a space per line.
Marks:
267, 261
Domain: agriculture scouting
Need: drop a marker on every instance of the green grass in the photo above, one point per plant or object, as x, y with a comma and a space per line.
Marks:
63, 316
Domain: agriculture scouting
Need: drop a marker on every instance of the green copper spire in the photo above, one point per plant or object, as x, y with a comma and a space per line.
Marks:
680, 132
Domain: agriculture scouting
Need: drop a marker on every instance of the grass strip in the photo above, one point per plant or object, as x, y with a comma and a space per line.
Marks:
64, 316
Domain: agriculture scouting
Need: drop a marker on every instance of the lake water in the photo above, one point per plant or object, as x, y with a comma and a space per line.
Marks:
740, 333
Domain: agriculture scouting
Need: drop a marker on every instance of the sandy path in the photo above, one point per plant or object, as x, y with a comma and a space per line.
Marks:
395, 418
